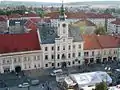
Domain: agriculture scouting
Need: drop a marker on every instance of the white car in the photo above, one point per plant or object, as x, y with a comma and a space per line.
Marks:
117, 70
56, 72
24, 85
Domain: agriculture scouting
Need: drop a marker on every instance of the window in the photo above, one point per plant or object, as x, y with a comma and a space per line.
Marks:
38, 57
86, 54
68, 63
52, 56
25, 59
58, 48
38, 65
46, 65
110, 52
63, 56
63, 47
104, 52
46, 48
3, 61
29, 66
35, 66
73, 46
28, 58
115, 52
58, 56
73, 62
79, 54
34, 57
73, 54
64, 25
58, 64
69, 56
25, 66
8, 61
19, 59
46, 57
52, 48
69, 47
79, 46
52, 64
92, 53
15, 60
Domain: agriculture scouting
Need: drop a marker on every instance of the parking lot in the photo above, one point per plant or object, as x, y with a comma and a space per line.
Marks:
12, 80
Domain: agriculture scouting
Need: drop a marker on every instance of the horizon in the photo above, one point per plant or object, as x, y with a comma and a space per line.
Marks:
59, 1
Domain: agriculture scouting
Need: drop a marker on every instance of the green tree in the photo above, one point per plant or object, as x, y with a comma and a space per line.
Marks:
100, 30
107, 11
101, 86
2, 12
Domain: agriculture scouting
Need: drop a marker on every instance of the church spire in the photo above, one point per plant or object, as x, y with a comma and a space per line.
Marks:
62, 12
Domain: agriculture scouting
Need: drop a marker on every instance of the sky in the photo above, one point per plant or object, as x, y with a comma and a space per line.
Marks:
60, 0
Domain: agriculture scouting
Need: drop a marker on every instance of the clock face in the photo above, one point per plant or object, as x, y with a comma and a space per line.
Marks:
64, 25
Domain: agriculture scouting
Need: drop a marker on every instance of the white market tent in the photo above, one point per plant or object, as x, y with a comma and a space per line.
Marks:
91, 78
69, 81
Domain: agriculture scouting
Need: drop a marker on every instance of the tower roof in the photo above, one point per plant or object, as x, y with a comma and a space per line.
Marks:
62, 12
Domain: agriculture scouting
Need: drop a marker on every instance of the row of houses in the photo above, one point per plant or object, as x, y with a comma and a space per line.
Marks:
48, 46
16, 23
59, 47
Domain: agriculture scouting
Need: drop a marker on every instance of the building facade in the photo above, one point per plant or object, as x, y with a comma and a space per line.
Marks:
21, 60
62, 47
102, 48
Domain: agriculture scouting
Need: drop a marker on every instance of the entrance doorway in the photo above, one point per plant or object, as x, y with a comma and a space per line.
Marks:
104, 60
6, 70
86, 61
98, 61
64, 64
18, 69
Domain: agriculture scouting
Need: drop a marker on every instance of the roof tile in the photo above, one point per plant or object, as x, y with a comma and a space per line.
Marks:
19, 42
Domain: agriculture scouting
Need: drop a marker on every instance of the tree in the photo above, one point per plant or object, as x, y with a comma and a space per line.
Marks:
101, 86
100, 31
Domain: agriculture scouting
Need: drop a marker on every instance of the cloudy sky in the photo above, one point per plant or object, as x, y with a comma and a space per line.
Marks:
59, 0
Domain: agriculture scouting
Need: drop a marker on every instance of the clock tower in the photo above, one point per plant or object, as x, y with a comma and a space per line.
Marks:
62, 24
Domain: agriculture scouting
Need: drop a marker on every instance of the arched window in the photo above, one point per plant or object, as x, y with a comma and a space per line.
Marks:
63, 56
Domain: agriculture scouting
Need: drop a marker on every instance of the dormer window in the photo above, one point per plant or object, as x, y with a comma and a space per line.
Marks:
64, 25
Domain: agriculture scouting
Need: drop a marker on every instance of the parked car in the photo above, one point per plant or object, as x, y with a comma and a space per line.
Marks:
35, 82
56, 72
117, 70
23, 85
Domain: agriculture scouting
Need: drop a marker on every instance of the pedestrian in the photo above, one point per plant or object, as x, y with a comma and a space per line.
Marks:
43, 84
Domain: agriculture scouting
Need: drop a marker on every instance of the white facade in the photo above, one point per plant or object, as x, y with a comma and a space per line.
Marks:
113, 28
101, 54
64, 50
25, 60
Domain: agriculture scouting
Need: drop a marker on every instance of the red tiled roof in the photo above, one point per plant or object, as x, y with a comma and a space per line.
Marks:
35, 20
107, 41
53, 15
30, 15
2, 18
117, 22
90, 42
99, 42
31, 25
77, 15
14, 16
19, 42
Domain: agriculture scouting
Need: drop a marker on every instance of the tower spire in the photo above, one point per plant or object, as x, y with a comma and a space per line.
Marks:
62, 12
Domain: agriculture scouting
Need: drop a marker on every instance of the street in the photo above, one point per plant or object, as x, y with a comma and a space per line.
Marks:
12, 81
